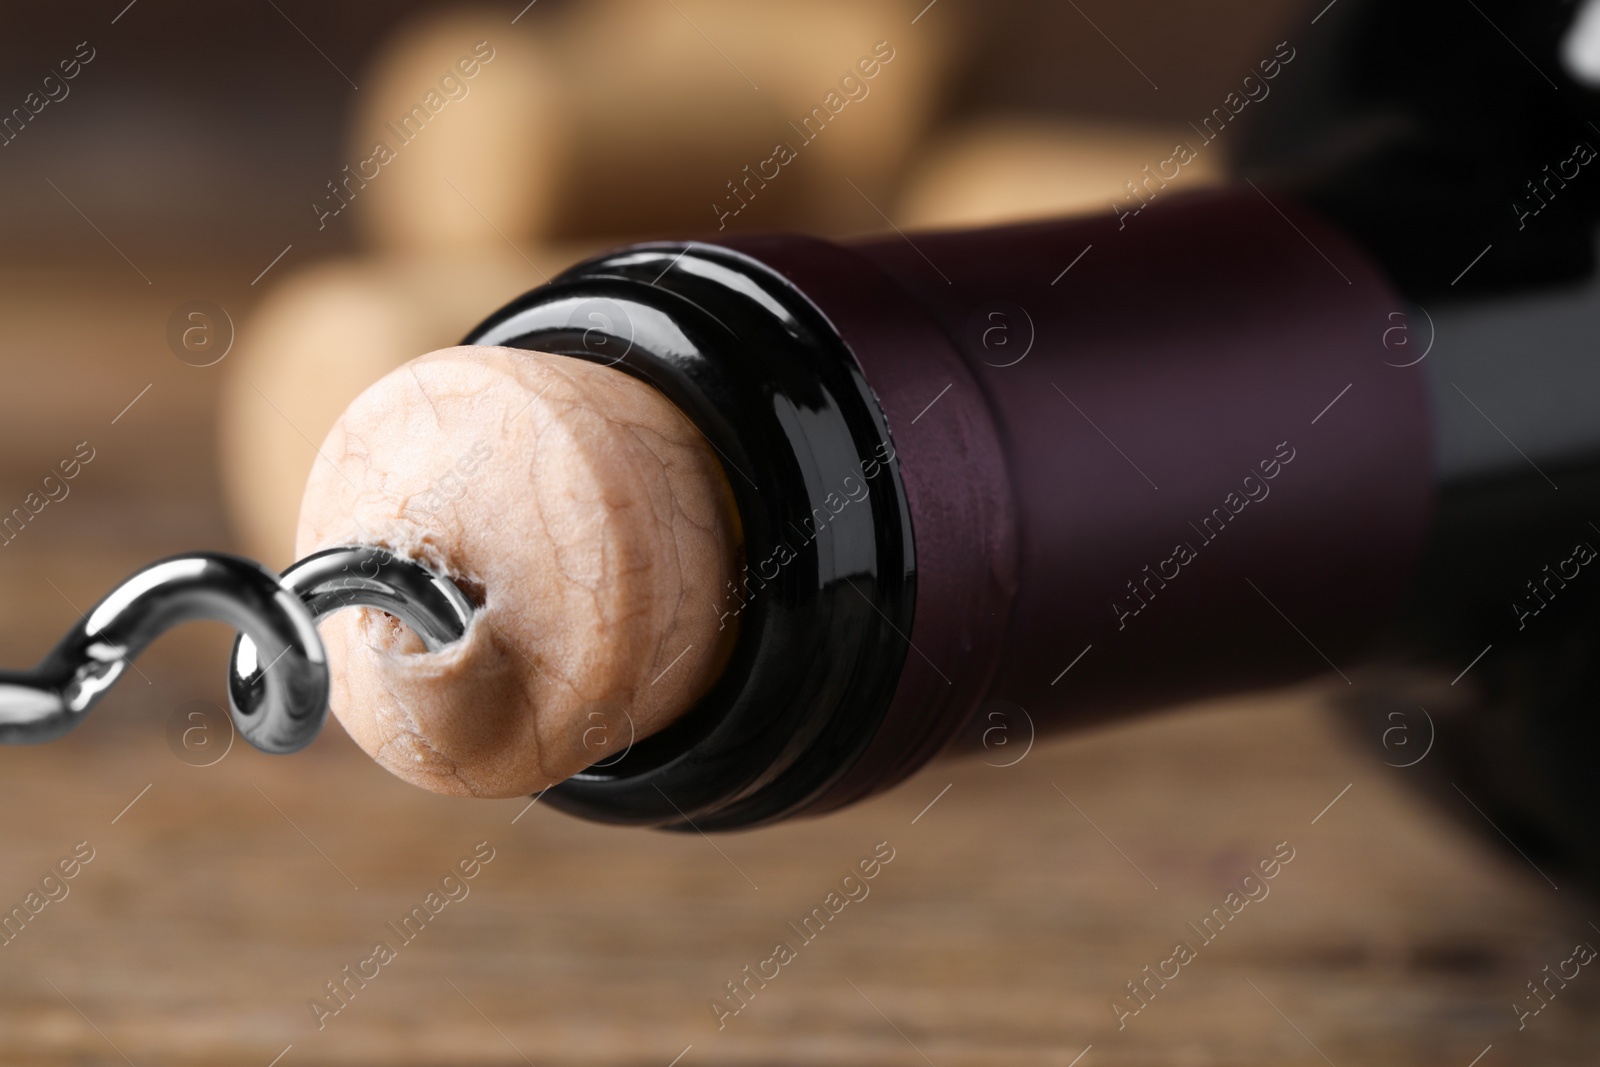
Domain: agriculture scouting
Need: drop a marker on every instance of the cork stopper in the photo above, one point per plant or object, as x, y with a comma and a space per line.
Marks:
584, 512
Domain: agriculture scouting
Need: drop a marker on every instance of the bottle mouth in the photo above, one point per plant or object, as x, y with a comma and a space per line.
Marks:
827, 585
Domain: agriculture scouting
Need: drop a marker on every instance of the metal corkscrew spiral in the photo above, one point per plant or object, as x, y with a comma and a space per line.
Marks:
278, 677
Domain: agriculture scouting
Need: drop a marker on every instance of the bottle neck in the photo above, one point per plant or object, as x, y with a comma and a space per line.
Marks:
1195, 461
829, 579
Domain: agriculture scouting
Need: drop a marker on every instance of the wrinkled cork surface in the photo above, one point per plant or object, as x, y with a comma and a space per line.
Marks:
588, 516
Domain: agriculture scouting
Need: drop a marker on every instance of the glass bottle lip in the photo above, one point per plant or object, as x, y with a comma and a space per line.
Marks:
828, 579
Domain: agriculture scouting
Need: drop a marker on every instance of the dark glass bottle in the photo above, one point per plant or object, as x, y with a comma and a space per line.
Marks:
1084, 467
1080, 468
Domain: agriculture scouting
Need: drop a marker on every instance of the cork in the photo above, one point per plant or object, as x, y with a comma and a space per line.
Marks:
585, 514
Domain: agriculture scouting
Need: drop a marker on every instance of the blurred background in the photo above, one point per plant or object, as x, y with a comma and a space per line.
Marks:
206, 256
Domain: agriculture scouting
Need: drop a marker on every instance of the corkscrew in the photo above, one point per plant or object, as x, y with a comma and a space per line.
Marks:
278, 676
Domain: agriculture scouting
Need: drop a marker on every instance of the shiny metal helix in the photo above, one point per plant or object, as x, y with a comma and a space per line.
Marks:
278, 677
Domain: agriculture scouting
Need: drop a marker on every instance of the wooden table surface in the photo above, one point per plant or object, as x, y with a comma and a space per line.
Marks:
1018, 903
